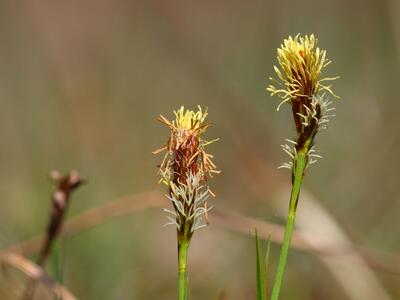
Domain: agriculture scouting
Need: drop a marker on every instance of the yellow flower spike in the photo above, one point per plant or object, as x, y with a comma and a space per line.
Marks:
301, 64
189, 120
186, 166
299, 83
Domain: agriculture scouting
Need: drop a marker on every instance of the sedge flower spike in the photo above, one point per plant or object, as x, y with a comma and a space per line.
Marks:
300, 84
185, 169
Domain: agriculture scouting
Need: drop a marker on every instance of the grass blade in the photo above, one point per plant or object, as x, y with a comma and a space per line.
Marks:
260, 271
267, 264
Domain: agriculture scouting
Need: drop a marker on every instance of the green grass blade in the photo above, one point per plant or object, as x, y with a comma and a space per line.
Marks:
260, 271
267, 263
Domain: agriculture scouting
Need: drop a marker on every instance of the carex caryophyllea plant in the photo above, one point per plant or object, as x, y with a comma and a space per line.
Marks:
300, 85
184, 170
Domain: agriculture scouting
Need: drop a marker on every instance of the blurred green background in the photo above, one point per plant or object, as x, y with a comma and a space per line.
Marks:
81, 86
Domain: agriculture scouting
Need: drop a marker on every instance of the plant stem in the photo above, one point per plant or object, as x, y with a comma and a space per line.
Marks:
56, 263
183, 247
299, 166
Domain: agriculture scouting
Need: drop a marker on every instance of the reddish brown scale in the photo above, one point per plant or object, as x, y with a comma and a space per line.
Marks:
298, 102
297, 119
184, 159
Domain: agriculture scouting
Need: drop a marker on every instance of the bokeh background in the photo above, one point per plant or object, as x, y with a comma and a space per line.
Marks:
81, 86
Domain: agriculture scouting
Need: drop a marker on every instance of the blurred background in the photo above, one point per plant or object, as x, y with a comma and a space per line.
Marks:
81, 86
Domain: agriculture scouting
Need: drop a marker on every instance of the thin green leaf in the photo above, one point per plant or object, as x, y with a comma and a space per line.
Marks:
267, 263
260, 271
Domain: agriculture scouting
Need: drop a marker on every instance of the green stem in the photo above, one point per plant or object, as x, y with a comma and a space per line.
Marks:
56, 261
183, 247
299, 166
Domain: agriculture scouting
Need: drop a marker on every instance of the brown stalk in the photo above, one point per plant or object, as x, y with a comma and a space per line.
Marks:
36, 274
60, 198
233, 221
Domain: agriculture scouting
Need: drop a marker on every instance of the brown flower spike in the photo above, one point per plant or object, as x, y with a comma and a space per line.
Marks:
185, 169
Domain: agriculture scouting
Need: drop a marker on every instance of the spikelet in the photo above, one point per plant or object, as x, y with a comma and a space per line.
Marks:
186, 168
